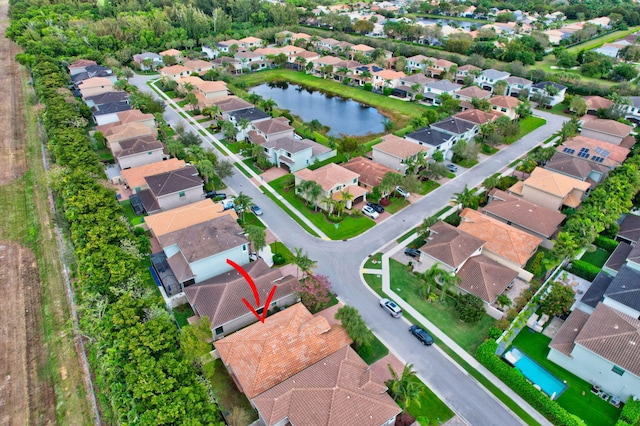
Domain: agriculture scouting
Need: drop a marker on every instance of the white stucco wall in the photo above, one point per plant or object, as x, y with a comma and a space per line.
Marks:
217, 264
174, 200
141, 159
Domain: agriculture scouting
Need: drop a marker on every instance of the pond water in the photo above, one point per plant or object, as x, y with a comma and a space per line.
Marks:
454, 23
343, 116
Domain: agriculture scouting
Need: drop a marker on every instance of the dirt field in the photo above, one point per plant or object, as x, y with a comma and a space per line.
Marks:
41, 382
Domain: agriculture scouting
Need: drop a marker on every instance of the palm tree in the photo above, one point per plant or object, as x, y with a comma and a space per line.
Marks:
328, 202
314, 126
268, 104
424, 228
254, 98
339, 206
313, 192
257, 235
435, 275
467, 198
242, 203
303, 190
347, 197
212, 111
405, 388
449, 280
302, 262
388, 182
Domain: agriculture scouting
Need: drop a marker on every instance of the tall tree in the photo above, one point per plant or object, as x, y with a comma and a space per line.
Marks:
257, 235
355, 326
405, 388
242, 203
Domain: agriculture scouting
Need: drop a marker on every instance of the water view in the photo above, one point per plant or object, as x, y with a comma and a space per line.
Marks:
454, 23
343, 116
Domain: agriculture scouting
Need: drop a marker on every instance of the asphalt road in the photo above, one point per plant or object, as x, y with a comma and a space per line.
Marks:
341, 262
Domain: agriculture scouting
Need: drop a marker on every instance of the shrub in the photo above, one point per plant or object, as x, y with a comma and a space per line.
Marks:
536, 267
470, 308
503, 324
512, 314
278, 259
506, 182
606, 243
630, 413
368, 87
584, 270
494, 332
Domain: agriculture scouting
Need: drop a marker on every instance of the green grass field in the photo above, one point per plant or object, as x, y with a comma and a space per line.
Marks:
430, 407
597, 258
182, 314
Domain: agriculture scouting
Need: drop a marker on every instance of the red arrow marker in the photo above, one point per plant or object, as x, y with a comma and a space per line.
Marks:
256, 295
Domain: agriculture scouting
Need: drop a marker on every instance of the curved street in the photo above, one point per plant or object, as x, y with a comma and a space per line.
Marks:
342, 261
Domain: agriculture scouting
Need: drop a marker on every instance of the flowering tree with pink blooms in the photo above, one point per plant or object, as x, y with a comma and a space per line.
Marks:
314, 292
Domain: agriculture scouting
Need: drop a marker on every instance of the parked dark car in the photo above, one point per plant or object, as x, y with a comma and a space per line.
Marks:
412, 252
377, 207
421, 335
214, 194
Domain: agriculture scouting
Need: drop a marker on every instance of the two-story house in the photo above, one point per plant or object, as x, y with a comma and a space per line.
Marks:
244, 118
198, 66
387, 79
506, 105
515, 85
171, 189
137, 151
270, 130
394, 151
551, 92
174, 53
293, 154
435, 138
175, 72
610, 131
333, 179
435, 88
459, 129
94, 86
551, 189
469, 93
147, 60
488, 78
133, 178
466, 70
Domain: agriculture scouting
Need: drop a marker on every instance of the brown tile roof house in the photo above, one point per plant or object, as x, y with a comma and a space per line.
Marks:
220, 297
183, 217
232, 103
134, 146
606, 129
340, 389
134, 116
273, 126
578, 168
328, 176
508, 102
538, 220
629, 229
265, 354
170, 186
606, 332
612, 155
551, 189
485, 278
596, 102
468, 93
399, 147
370, 172
505, 241
134, 177
477, 116
450, 245
198, 66
82, 63
127, 131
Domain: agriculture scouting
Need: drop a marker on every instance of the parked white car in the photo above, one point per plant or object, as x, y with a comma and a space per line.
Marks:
403, 192
369, 211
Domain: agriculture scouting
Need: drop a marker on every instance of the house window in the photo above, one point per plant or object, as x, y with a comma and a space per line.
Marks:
181, 193
289, 154
150, 152
619, 371
244, 247
219, 330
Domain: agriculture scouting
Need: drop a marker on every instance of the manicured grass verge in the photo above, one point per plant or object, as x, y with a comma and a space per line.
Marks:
182, 314
293, 216
249, 163
397, 204
374, 352
597, 258
226, 391
577, 398
128, 212
430, 407
280, 248
375, 258
248, 218
527, 125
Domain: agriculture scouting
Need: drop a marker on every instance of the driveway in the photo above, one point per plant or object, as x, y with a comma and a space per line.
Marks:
341, 261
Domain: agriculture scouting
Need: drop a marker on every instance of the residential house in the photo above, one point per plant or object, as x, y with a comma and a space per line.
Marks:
171, 189
432, 137
548, 93
293, 154
107, 98
227, 46
175, 72
476, 116
93, 71
134, 177
488, 78
252, 60
220, 298
594, 103
300, 61
263, 355
147, 60
579, 168
228, 64
80, 66
137, 116
471, 92
137, 151
341, 376
433, 90
207, 92
115, 132
515, 85
411, 85
506, 105
484, 277
387, 79
246, 116
108, 113
551, 189
449, 246
419, 62
327, 44
629, 231
606, 130
250, 42
324, 66
439, 66
466, 70
94, 86
459, 129
175, 53
362, 48
198, 66
505, 244
371, 173
333, 179
393, 152
522, 214
270, 130
632, 111
595, 150
230, 104
200, 252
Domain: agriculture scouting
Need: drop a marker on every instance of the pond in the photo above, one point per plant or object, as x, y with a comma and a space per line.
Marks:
342, 116
453, 23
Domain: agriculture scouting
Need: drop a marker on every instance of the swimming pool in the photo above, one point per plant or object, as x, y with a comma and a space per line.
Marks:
537, 375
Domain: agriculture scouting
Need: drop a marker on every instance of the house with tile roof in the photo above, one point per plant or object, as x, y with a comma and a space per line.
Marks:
542, 88
411, 86
594, 150
578, 168
629, 230
435, 88
393, 152
188, 215
606, 130
250, 42
435, 138
419, 62
484, 277
333, 179
116, 132
107, 98
489, 77
505, 244
94, 86
175, 72
134, 177
310, 396
198, 66
464, 71
108, 113
175, 53
522, 214
207, 92
154, 60
220, 298
172, 189
506, 105
515, 85
229, 104
459, 129
263, 355
387, 79
594, 103
476, 116
270, 130
137, 116
253, 115
80, 66
200, 251
137, 151
371, 173
449, 246
468, 93
291, 153
551, 189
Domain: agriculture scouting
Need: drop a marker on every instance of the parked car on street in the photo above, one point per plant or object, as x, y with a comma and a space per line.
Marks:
256, 210
452, 168
412, 252
214, 194
369, 211
421, 335
391, 307
403, 193
377, 207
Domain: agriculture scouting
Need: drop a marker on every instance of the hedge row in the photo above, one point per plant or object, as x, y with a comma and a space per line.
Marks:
606, 243
630, 414
486, 354
584, 269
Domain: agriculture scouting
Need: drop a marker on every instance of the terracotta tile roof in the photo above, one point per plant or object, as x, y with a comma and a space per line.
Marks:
126, 131
273, 125
502, 239
630, 228
132, 116
355, 190
362, 48
443, 63
576, 167
81, 63
340, 389
94, 82
328, 176
389, 74
518, 80
265, 354
193, 65
220, 297
477, 116
525, 214
205, 239
370, 172
564, 340
175, 69
554, 183
469, 67
135, 176
615, 153
171, 52
450, 245
504, 101
485, 278
183, 217
173, 181
327, 60
232, 103
399, 147
596, 102
137, 145
610, 127
250, 39
473, 92
614, 336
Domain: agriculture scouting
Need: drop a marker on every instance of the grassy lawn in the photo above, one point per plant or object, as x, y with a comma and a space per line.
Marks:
293, 216
430, 407
349, 227
278, 247
234, 147
397, 204
558, 109
374, 352
248, 218
527, 125
105, 155
398, 111
428, 186
128, 212
182, 314
588, 407
443, 316
597, 258
599, 41
226, 390
375, 258
250, 164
